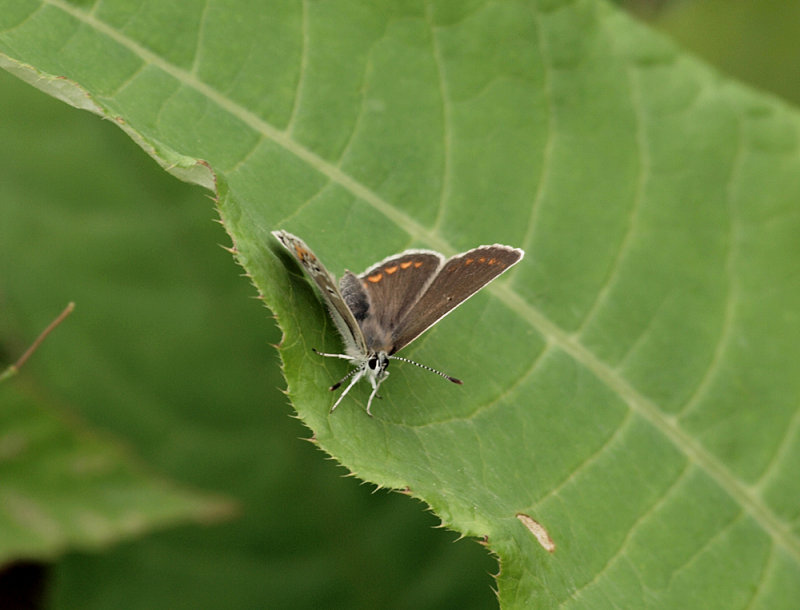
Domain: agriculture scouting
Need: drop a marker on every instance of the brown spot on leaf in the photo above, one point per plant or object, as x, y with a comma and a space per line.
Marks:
538, 531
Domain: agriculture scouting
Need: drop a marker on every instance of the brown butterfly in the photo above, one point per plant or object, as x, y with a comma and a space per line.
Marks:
393, 302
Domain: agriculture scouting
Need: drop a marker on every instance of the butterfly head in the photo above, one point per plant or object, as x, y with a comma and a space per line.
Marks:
372, 366
377, 364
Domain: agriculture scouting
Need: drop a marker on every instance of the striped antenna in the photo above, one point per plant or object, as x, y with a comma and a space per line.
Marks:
427, 368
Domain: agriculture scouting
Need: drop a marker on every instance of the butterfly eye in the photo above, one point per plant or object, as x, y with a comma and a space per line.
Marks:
373, 362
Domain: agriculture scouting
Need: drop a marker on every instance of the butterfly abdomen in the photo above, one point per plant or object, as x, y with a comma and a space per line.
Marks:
354, 295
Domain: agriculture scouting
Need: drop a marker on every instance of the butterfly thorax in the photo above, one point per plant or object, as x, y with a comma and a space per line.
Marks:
378, 338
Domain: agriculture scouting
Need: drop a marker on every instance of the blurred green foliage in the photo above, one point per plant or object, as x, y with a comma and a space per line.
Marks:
755, 41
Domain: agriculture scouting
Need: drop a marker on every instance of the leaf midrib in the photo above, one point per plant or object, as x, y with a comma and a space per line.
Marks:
554, 335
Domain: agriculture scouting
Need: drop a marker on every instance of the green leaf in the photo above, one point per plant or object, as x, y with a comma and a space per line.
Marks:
63, 487
630, 387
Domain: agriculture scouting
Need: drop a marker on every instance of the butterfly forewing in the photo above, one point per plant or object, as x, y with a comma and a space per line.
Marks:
460, 278
395, 285
342, 316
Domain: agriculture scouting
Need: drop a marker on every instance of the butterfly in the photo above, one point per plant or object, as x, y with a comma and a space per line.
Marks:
382, 310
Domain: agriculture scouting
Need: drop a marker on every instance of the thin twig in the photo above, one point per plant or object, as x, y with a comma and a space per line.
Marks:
14, 368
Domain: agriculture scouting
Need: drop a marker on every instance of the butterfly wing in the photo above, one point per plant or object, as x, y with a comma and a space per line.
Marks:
459, 278
340, 314
392, 287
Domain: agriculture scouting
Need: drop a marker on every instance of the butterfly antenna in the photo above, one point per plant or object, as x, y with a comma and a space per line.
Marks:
427, 368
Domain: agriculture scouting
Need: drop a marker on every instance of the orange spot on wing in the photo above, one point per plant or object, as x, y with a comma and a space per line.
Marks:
303, 254
469, 261
375, 278
391, 270
417, 264
406, 264
482, 259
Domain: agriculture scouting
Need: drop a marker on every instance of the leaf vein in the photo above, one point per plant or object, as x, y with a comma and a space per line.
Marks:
612, 559
198, 47
787, 444
549, 145
447, 144
732, 287
302, 70
759, 582
667, 425
588, 460
708, 543
643, 175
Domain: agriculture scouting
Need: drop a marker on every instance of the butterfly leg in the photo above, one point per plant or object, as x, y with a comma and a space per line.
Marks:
375, 385
342, 356
356, 377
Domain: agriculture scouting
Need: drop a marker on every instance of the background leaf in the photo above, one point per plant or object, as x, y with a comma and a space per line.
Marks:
62, 489
632, 384
751, 40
